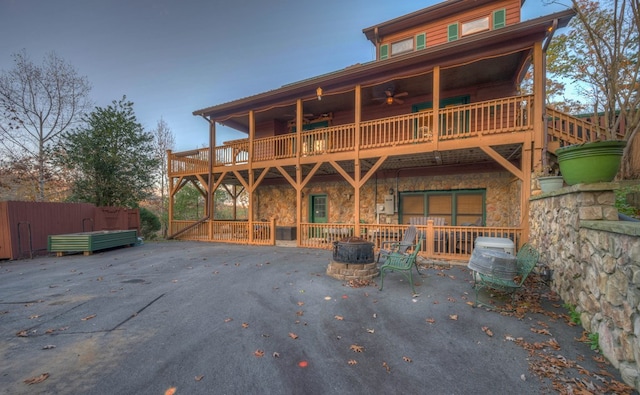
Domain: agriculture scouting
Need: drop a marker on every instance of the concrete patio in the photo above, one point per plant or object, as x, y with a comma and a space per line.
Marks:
205, 318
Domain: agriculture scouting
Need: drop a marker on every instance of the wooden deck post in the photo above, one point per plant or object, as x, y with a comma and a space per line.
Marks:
430, 238
252, 132
170, 213
356, 168
436, 105
210, 182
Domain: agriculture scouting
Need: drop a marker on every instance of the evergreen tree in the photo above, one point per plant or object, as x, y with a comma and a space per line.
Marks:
112, 156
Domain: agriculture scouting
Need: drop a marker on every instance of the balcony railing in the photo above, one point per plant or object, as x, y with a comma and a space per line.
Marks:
571, 130
489, 117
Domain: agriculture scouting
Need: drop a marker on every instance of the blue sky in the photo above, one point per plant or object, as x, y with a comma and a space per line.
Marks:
172, 57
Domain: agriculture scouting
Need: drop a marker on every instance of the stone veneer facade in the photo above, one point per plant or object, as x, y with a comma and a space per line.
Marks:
596, 266
502, 197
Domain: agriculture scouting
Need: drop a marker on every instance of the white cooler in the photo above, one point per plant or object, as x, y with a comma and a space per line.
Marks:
496, 243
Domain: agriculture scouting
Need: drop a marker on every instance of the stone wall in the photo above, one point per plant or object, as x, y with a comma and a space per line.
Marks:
595, 261
502, 197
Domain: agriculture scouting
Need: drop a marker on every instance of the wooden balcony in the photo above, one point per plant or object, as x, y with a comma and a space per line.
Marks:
457, 127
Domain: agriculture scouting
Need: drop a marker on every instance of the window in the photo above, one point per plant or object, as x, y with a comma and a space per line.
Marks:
452, 32
458, 208
499, 19
421, 41
400, 47
475, 26
384, 52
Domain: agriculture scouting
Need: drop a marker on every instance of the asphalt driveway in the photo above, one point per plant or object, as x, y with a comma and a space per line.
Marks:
202, 318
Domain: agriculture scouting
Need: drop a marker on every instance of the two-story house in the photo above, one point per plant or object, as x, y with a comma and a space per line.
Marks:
435, 127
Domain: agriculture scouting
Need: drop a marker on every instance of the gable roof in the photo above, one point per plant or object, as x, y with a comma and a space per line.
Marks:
421, 17
512, 38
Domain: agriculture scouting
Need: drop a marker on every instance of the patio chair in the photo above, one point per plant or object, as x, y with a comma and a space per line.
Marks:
403, 263
388, 247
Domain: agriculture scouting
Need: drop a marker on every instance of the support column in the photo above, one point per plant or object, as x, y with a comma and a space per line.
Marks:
436, 104
356, 167
210, 181
538, 104
170, 190
252, 132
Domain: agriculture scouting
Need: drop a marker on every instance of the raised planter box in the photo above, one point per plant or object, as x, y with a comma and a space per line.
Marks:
88, 242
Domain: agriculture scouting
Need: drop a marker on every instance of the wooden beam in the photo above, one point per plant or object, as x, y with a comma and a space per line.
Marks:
372, 170
242, 180
502, 161
346, 175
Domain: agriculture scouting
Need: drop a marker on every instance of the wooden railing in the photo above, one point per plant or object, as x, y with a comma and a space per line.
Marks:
504, 115
568, 129
226, 231
189, 162
441, 242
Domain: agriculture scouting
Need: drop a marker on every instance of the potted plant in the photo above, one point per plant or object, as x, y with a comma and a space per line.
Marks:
590, 162
550, 179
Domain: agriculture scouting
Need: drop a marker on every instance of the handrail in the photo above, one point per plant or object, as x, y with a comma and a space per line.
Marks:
571, 130
187, 228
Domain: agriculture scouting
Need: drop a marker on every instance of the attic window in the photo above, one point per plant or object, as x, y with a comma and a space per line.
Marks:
475, 26
400, 47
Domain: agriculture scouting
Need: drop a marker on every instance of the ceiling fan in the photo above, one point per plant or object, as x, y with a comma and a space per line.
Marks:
390, 97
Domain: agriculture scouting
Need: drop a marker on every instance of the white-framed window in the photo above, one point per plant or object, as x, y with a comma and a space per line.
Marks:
475, 26
402, 46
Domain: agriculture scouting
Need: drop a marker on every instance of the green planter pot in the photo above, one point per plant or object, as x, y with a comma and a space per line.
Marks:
550, 183
586, 163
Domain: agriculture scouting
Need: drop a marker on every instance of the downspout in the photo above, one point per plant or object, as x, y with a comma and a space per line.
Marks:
545, 46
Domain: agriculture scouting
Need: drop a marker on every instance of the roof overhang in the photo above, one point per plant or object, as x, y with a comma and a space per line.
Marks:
478, 49
421, 17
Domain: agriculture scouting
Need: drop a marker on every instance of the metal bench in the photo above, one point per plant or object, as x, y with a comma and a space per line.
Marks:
526, 260
403, 263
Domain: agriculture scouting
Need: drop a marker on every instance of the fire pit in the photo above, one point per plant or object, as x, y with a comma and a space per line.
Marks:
353, 259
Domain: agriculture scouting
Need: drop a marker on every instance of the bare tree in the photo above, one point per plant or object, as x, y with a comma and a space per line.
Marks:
163, 140
38, 104
599, 55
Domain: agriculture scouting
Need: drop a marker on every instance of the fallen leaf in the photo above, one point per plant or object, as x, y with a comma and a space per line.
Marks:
22, 334
229, 319
87, 318
300, 313
170, 391
276, 354
303, 364
454, 317
258, 353
49, 347
450, 299
300, 303
339, 317
352, 362
541, 331
430, 320
488, 331
33, 317
356, 348
245, 325
293, 335
384, 365
407, 359
37, 379
370, 331
470, 303
198, 378
174, 281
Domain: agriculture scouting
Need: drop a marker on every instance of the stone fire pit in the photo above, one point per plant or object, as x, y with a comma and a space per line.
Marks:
353, 259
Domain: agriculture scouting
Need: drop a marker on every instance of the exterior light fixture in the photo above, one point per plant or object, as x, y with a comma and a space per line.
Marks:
319, 93
390, 191
389, 100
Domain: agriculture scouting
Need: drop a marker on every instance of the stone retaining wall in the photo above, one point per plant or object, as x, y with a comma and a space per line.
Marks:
596, 266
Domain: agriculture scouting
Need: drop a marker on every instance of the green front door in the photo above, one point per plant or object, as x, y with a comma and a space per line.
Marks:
318, 213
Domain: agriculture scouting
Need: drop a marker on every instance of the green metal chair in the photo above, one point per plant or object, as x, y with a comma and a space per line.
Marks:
403, 263
389, 247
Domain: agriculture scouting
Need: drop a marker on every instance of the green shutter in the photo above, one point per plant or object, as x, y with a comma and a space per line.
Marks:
421, 41
499, 18
453, 32
384, 51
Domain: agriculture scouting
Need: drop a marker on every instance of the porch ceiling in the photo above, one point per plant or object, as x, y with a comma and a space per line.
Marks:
418, 86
